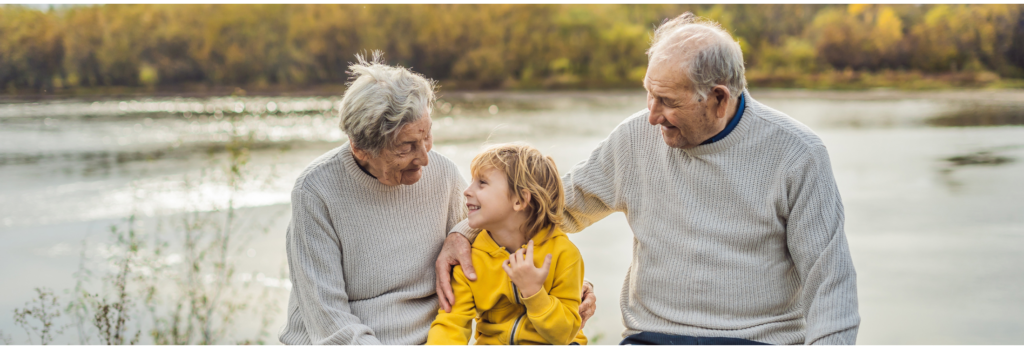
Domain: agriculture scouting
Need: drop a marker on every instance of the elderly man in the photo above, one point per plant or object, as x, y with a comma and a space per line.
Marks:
369, 218
737, 221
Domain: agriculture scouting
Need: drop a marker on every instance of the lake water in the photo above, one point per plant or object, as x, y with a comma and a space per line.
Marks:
932, 183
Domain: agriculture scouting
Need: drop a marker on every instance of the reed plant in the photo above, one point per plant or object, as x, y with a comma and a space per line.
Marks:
174, 278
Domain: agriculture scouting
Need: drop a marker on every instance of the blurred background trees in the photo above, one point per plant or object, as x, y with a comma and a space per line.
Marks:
272, 46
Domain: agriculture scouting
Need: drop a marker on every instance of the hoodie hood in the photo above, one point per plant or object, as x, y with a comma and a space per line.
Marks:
486, 243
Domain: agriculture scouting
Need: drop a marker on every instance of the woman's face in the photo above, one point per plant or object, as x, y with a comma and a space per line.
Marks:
488, 200
403, 162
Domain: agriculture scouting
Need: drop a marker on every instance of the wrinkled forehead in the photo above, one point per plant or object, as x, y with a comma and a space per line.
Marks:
414, 130
666, 75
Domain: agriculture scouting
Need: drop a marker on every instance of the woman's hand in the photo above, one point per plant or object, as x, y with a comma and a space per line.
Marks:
524, 273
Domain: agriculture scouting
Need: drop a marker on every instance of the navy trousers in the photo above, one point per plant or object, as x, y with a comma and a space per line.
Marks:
653, 338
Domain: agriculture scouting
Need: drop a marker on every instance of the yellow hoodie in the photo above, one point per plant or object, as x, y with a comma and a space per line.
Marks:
503, 315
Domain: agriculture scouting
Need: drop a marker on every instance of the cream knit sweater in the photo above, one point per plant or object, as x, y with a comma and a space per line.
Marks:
738, 238
361, 254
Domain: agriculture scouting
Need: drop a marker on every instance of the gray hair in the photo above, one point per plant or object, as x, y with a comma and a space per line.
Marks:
708, 53
380, 100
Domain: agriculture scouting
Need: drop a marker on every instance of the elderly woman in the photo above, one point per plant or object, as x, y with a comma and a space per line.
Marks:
369, 218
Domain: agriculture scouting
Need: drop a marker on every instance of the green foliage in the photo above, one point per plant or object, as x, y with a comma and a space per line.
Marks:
481, 46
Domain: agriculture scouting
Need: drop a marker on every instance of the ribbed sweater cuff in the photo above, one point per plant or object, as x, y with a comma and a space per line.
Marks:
464, 229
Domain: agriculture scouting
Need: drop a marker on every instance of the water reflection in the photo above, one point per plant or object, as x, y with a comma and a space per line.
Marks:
979, 158
98, 139
982, 115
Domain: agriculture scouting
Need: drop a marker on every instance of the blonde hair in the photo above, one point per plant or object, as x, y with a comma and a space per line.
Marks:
527, 169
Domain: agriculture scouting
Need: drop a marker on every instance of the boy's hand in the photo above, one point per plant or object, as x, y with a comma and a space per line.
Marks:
524, 273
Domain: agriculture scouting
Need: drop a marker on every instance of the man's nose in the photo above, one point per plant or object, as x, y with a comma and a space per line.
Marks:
655, 117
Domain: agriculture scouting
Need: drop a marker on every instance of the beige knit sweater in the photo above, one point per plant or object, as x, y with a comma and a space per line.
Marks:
738, 238
361, 254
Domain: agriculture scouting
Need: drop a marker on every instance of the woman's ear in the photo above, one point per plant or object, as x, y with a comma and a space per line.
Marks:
360, 154
522, 201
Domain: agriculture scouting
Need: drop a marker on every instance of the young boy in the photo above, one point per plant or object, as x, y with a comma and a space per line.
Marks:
516, 197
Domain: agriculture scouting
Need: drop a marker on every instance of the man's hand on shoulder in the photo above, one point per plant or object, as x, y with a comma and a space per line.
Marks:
456, 251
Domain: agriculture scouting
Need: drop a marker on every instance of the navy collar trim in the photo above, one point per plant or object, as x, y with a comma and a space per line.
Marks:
732, 123
367, 172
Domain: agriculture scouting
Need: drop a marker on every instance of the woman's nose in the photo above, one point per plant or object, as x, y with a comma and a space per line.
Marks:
422, 158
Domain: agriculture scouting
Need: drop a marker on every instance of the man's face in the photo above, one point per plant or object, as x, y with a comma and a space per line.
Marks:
403, 162
684, 122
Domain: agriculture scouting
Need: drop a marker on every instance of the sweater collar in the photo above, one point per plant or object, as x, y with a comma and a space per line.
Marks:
486, 243
738, 132
732, 123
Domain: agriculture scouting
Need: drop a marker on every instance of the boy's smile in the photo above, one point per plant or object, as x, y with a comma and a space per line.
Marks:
487, 200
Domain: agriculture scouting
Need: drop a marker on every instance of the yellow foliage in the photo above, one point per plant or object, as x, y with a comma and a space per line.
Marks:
856, 9
480, 46
148, 75
888, 30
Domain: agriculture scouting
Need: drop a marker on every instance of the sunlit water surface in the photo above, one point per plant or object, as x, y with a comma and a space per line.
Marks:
932, 183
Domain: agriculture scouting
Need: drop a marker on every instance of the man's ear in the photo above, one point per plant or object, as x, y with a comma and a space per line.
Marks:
523, 201
721, 96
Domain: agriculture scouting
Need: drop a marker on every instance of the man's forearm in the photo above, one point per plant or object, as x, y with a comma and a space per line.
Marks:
464, 229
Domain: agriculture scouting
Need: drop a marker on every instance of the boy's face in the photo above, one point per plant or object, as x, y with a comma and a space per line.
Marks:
488, 200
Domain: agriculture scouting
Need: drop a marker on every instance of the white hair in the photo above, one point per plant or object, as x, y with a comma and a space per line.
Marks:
380, 100
706, 52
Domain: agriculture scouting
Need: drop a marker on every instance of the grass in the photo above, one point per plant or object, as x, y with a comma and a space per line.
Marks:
890, 79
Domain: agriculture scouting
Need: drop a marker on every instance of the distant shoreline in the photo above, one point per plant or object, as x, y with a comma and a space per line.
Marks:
879, 93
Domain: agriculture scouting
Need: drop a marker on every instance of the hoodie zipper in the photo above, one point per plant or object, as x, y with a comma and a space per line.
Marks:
515, 325
515, 291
